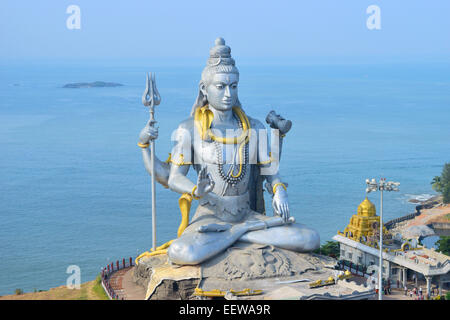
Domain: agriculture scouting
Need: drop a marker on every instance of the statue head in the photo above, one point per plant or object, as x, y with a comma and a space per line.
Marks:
218, 86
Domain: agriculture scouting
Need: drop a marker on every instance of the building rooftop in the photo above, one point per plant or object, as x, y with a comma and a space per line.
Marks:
422, 260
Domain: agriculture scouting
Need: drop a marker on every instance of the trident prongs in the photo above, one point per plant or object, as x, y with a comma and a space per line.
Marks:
151, 95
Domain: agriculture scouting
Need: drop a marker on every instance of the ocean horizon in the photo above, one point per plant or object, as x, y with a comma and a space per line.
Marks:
74, 190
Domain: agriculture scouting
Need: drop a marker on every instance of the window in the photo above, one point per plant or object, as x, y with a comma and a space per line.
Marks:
359, 260
350, 255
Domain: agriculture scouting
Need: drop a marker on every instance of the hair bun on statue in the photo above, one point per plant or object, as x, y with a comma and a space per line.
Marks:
220, 54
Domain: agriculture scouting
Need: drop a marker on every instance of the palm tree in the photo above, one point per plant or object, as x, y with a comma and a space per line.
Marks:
436, 184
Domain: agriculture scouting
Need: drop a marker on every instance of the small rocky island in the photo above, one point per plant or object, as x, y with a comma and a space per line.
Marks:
96, 84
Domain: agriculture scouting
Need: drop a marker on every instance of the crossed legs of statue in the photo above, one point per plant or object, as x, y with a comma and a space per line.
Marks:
207, 236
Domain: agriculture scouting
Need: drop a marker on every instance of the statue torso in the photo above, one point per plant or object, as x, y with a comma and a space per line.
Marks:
230, 197
227, 163
222, 162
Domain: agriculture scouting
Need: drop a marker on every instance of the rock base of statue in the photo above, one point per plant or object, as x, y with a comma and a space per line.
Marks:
247, 271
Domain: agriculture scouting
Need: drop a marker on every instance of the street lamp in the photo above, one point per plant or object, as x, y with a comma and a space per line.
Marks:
382, 185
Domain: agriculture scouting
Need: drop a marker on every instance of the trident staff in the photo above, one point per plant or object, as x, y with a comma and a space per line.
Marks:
151, 98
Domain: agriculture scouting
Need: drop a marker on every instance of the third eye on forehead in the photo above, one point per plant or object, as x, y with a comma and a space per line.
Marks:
225, 79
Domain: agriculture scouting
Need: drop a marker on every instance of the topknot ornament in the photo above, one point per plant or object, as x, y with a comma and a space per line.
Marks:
220, 54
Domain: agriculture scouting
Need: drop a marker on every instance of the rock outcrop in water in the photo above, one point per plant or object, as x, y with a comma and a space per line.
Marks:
96, 84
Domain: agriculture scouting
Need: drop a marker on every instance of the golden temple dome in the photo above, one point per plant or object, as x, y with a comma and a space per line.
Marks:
363, 226
366, 208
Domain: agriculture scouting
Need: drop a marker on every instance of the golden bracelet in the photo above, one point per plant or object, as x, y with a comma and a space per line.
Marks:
192, 193
143, 145
274, 189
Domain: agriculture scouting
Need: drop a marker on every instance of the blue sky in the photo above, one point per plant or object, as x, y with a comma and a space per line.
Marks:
254, 29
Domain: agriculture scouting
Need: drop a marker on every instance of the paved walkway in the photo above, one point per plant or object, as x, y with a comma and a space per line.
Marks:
397, 294
122, 283
428, 216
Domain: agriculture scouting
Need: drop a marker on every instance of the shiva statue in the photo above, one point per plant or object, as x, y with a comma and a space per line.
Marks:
229, 152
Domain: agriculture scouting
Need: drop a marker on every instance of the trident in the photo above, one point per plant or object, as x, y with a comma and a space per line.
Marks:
151, 98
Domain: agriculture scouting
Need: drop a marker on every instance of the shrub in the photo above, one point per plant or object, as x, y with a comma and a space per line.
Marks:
330, 248
443, 245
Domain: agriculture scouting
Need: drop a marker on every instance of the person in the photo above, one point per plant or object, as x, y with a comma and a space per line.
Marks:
406, 290
420, 291
216, 141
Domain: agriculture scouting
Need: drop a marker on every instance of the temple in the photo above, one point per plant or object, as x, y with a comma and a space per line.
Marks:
364, 226
403, 257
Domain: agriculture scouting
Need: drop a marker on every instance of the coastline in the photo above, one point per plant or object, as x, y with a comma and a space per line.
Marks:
428, 212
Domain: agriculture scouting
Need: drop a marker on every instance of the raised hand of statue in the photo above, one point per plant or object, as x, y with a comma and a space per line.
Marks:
205, 183
150, 132
280, 203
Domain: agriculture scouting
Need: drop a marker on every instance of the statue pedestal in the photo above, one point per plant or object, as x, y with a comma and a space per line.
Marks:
246, 271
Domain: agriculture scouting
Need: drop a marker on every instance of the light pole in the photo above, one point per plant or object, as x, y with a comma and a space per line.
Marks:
382, 185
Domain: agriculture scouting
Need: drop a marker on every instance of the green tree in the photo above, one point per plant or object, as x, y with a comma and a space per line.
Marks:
330, 248
445, 178
444, 245
446, 194
441, 183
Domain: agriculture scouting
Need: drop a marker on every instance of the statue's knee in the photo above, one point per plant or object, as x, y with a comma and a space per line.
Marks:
180, 252
313, 242
307, 239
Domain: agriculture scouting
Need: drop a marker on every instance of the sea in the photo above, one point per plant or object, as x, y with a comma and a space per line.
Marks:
74, 190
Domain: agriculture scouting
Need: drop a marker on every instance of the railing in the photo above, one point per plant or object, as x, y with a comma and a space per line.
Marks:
354, 268
106, 276
411, 215
393, 222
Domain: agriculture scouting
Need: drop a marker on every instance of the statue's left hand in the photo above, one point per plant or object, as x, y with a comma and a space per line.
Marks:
280, 203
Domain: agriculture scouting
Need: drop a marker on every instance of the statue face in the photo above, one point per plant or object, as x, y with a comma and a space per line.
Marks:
222, 91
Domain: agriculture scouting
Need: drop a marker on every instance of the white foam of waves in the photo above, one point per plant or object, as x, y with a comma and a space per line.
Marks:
419, 197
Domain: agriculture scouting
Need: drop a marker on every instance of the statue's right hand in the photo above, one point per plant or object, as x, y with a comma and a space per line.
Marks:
205, 183
150, 132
